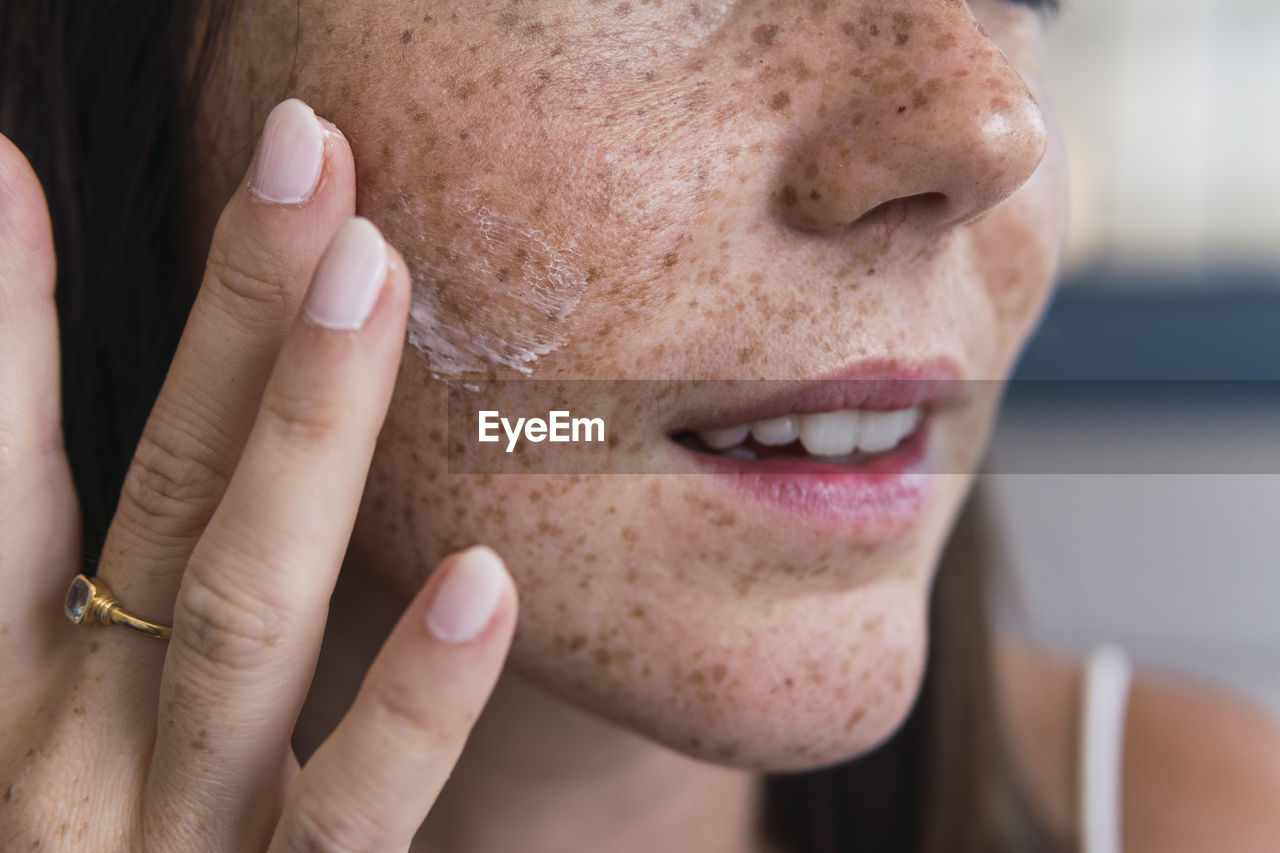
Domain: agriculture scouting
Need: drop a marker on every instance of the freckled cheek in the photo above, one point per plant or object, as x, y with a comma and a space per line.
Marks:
1019, 246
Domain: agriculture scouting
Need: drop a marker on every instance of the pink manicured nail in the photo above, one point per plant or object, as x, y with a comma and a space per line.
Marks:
348, 278
290, 155
467, 597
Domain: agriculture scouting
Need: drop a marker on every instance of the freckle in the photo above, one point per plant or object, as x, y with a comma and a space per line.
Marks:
406, 37
670, 259
603, 657
718, 672
874, 30
788, 682
637, 612
764, 35
815, 195
901, 110
622, 9
871, 271
780, 101
963, 72
576, 642
789, 196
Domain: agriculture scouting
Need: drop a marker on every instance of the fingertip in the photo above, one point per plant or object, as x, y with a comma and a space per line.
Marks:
290, 158
25, 228
466, 600
351, 275
397, 270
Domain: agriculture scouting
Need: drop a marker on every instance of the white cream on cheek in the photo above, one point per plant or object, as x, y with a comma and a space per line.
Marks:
493, 291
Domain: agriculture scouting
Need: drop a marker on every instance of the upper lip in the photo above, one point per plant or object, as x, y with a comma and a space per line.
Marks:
871, 385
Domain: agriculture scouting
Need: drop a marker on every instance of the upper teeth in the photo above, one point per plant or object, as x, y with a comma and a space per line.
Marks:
827, 434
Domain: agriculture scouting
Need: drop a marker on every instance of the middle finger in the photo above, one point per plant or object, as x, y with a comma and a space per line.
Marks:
253, 603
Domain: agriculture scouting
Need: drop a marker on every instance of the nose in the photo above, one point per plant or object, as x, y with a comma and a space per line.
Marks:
928, 122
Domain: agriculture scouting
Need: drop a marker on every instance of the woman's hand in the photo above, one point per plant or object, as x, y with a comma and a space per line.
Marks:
232, 525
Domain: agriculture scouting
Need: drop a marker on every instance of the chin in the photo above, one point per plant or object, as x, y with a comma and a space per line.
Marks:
766, 685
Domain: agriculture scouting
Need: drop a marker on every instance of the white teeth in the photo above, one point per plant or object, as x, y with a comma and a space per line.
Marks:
880, 431
837, 433
830, 433
910, 420
776, 432
722, 439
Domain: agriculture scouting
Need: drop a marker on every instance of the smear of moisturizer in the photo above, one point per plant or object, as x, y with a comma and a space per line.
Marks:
494, 291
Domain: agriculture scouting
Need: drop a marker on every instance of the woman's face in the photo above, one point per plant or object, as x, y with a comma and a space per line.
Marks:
654, 189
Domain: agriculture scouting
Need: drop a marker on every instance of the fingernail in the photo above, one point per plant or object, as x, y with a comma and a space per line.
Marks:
290, 155
467, 597
348, 278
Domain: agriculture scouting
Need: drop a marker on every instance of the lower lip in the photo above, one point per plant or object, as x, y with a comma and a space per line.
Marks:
890, 491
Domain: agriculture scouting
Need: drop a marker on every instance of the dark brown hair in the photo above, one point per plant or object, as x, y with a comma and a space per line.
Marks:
100, 95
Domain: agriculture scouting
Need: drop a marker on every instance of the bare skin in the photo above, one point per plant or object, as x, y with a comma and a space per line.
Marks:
1201, 767
878, 182
726, 186
232, 527
639, 146
755, 150
758, 190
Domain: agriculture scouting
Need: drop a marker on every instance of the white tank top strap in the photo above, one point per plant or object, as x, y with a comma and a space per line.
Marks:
1106, 696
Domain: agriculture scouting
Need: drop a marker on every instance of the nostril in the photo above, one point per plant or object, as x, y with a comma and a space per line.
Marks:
891, 215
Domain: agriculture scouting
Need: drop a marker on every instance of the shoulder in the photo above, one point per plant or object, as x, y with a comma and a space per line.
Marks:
1202, 770
1201, 766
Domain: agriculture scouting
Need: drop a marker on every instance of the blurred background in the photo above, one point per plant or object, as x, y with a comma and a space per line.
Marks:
1136, 467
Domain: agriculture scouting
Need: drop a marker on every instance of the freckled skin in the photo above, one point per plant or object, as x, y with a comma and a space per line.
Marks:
765, 189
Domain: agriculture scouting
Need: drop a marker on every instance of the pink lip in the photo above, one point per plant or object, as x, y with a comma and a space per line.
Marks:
885, 494
889, 492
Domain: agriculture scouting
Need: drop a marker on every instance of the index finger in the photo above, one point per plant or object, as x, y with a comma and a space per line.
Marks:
38, 524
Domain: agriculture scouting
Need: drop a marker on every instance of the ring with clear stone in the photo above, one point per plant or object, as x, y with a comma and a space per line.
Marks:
90, 600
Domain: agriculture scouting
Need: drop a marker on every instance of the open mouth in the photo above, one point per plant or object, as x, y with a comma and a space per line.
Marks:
852, 450
845, 437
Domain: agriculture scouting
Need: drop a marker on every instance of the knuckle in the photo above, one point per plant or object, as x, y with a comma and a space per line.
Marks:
397, 707
250, 278
316, 829
225, 628
302, 415
166, 486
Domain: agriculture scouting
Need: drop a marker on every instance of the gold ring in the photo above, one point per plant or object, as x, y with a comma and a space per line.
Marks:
90, 600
